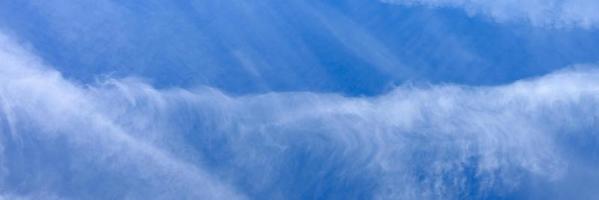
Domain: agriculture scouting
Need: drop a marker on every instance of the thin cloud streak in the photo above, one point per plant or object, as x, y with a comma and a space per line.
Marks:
543, 13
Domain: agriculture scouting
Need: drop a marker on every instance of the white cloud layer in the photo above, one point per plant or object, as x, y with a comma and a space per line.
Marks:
546, 13
40, 109
126, 139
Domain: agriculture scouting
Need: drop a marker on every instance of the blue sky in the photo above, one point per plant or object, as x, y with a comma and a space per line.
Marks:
345, 99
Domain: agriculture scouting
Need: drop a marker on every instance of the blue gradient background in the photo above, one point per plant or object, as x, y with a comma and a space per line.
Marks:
308, 99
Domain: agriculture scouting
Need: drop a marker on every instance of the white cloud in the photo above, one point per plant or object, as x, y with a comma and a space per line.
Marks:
431, 142
40, 105
547, 13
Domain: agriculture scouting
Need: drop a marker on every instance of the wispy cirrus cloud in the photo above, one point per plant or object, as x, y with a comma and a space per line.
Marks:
55, 140
545, 13
126, 139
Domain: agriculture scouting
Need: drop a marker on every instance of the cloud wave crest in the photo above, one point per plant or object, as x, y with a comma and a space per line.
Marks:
126, 139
